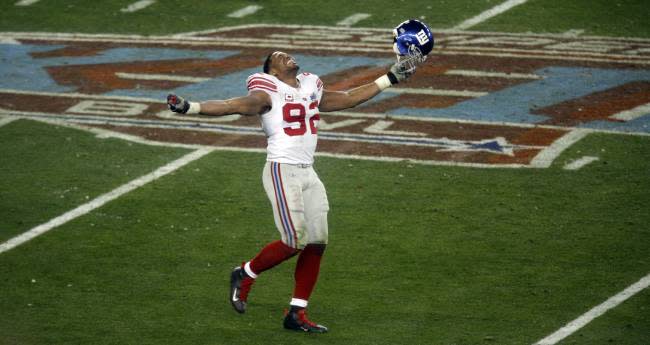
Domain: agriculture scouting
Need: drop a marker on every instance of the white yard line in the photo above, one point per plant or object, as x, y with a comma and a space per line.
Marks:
494, 11
101, 133
483, 74
353, 19
137, 6
26, 2
545, 158
81, 95
595, 312
4, 120
631, 114
145, 76
103, 199
437, 92
246, 11
580, 163
573, 32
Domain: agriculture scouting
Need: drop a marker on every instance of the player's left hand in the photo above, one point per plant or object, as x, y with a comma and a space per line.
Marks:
177, 104
401, 72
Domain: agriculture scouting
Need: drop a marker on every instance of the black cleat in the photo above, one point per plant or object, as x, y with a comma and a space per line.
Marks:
297, 321
240, 285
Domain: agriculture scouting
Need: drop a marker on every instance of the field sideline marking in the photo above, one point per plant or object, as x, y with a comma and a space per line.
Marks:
103, 199
632, 114
7, 120
353, 19
245, 11
580, 163
101, 133
26, 2
137, 6
487, 74
165, 77
545, 158
494, 11
595, 312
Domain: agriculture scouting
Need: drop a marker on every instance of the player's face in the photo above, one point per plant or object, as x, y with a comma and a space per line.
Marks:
284, 62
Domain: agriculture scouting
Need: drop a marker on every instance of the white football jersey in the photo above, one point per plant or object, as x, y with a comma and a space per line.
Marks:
291, 125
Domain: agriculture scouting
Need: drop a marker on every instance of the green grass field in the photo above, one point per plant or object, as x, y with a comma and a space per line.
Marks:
618, 18
418, 254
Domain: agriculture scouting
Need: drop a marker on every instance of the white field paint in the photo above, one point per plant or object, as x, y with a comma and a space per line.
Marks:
26, 2
381, 127
353, 19
580, 163
5, 120
494, 11
164, 77
437, 92
387, 31
545, 157
6, 40
137, 6
107, 133
384, 31
101, 133
103, 199
573, 32
631, 114
485, 74
331, 46
246, 11
595, 312
90, 120
168, 114
96, 107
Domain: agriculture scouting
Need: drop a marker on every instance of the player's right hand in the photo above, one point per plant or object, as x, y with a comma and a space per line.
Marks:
177, 104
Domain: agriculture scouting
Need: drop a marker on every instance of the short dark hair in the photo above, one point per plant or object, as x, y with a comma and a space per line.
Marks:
267, 64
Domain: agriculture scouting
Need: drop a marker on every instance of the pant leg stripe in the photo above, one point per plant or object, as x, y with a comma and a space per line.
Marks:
280, 203
292, 228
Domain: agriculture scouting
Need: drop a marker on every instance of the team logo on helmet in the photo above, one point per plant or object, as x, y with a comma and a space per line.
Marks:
412, 41
412, 37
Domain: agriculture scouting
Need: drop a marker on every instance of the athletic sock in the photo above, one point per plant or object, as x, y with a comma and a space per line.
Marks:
270, 256
307, 269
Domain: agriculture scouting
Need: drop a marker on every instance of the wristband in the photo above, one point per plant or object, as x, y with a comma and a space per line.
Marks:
195, 108
383, 82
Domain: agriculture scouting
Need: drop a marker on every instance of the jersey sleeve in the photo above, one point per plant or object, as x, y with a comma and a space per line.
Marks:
316, 82
262, 82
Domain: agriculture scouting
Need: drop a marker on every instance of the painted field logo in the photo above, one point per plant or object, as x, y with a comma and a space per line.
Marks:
483, 99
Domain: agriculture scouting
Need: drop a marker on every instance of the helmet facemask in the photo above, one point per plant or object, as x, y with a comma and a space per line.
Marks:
408, 63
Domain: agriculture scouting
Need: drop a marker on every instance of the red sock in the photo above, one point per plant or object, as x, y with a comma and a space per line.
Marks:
307, 269
270, 256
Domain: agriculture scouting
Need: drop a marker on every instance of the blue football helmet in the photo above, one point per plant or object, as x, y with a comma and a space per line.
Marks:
412, 41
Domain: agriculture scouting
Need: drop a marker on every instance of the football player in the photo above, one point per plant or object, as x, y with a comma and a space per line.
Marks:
289, 105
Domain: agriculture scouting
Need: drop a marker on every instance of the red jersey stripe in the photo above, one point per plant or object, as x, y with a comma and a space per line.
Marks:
261, 83
259, 87
261, 80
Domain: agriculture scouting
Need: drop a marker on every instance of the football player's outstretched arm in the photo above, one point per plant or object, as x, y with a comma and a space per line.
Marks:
255, 103
339, 100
